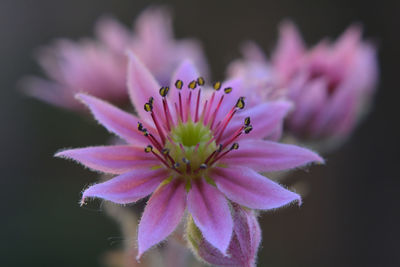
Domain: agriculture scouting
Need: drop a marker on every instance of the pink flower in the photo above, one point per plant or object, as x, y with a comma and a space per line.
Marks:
98, 66
189, 151
329, 84
244, 243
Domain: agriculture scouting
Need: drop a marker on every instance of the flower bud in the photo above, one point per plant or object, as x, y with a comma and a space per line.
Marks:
244, 244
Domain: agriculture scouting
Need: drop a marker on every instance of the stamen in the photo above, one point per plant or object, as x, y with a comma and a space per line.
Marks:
209, 110
200, 81
226, 121
140, 126
180, 106
148, 107
151, 100
214, 116
217, 86
164, 91
188, 166
167, 114
178, 84
247, 121
248, 129
148, 149
227, 90
158, 127
203, 166
196, 117
189, 100
240, 103
192, 85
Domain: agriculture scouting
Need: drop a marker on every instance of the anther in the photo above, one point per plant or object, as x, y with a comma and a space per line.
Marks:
220, 146
148, 107
234, 146
164, 91
178, 84
192, 85
165, 151
203, 166
151, 100
140, 126
240, 103
200, 81
176, 165
227, 90
247, 121
148, 149
248, 129
185, 160
217, 86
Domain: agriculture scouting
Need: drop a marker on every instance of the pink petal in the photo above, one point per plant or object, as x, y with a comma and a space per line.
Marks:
162, 215
211, 214
115, 120
49, 92
111, 159
248, 188
142, 86
113, 34
265, 118
268, 156
309, 103
290, 48
128, 187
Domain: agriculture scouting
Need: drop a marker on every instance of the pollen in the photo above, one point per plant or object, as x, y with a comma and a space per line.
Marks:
178, 84
217, 86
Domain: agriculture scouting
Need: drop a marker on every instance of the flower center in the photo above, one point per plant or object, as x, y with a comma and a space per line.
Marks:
191, 142
196, 138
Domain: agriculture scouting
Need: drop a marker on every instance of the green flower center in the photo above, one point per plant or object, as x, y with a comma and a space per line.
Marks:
191, 144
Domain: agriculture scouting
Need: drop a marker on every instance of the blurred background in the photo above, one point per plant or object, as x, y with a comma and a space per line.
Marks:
350, 216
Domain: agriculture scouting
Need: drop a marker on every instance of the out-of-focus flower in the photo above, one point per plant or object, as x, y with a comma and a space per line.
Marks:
329, 84
98, 66
183, 149
244, 244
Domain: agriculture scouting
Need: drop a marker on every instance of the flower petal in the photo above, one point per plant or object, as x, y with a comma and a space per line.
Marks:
111, 159
128, 187
211, 214
162, 215
248, 188
289, 49
115, 120
141, 86
268, 156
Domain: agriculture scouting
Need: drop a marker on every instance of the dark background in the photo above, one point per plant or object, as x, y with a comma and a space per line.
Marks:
349, 218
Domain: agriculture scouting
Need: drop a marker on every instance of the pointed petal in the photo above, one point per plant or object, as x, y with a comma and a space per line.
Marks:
268, 156
111, 159
128, 187
113, 119
141, 86
289, 49
309, 103
248, 188
211, 214
162, 215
